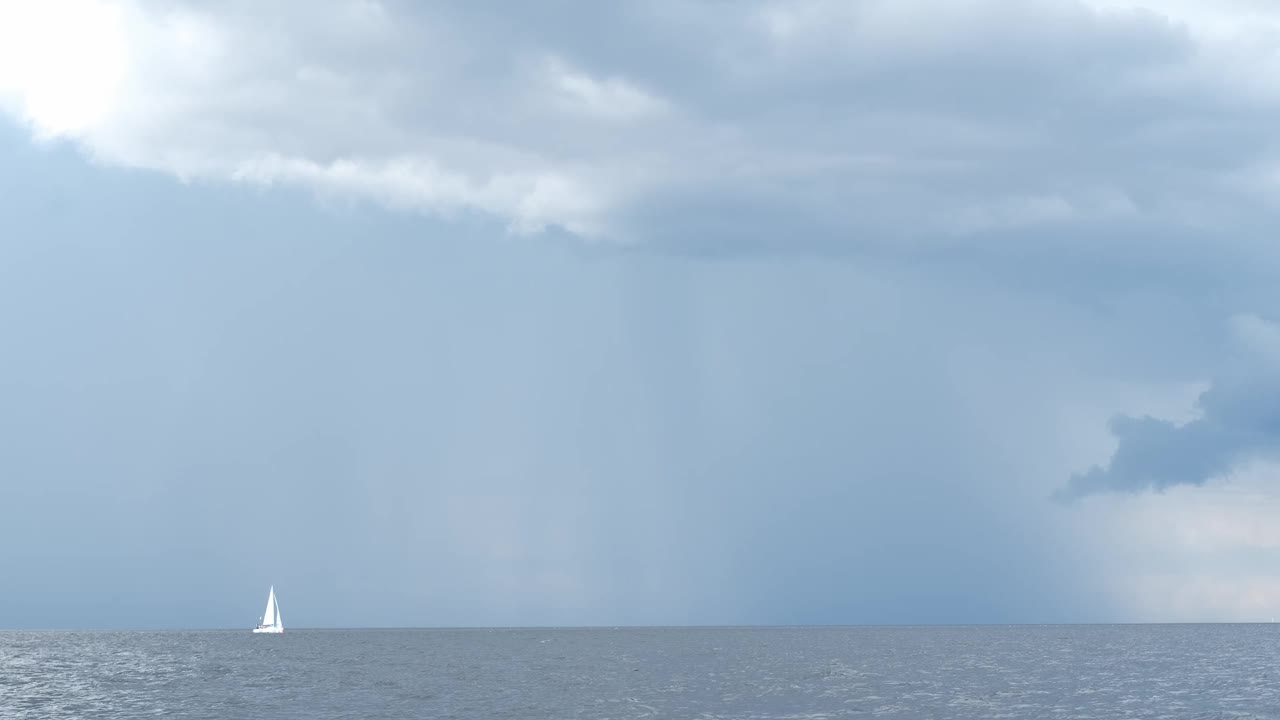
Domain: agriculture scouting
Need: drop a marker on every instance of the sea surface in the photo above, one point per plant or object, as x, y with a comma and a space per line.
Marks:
1115, 671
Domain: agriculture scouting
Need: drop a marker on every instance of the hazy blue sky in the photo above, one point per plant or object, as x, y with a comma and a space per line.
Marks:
814, 311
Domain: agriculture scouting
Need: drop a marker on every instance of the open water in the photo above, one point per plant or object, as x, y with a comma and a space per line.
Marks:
1116, 671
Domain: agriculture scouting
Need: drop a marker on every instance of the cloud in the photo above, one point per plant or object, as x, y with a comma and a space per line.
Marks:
610, 98
1238, 421
864, 124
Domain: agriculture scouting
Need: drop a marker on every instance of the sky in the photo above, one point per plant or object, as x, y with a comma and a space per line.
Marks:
663, 312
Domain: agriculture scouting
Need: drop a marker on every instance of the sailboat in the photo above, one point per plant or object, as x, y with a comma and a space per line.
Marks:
271, 622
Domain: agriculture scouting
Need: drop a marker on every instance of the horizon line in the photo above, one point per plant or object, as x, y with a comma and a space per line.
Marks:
800, 626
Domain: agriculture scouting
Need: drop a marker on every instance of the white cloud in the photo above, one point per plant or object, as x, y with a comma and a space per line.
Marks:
611, 98
873, 120
532, 200
1221, 18
205, 95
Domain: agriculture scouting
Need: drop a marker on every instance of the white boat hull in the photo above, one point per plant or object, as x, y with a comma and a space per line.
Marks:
269, 630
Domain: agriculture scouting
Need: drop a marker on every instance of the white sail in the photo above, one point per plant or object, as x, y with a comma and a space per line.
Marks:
269, 615
279, 620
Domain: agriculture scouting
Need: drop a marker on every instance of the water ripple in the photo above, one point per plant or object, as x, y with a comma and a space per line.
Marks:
1073, 672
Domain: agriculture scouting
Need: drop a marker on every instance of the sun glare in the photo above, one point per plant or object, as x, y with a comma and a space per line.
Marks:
62, 62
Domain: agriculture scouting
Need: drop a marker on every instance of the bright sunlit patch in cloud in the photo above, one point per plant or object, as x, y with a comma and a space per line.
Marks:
62, 62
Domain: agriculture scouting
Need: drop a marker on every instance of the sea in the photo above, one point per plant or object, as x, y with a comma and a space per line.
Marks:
1046, 671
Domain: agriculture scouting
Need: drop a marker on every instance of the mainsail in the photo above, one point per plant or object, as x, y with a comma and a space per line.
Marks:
269, 615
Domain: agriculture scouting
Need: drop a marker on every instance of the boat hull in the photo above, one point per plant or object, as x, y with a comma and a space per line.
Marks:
268, 630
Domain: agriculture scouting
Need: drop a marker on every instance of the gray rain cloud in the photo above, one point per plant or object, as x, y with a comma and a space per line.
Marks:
1238, 420
209, 391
